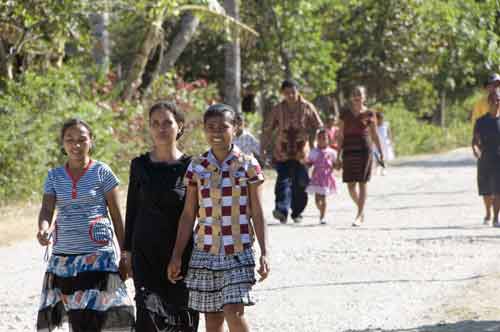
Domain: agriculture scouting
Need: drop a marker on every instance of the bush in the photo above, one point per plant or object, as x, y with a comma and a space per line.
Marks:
412, 136
32, 112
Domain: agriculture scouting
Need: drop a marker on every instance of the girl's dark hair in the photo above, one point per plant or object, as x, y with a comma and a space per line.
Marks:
70, 123
220, 110
320, 131
172, 108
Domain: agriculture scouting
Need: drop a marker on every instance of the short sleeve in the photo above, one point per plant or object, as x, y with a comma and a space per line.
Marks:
190, 176
333, 154
108, 178
254, 171
313, 154
48, 187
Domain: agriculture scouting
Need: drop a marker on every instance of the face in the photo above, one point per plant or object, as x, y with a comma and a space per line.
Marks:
322, 140
358, 97
77, 142
494, 101
330, 122
493, 86
290, 94
163, 127
219, 131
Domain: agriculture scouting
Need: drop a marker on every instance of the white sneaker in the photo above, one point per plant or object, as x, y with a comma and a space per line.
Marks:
297, 219
322, 221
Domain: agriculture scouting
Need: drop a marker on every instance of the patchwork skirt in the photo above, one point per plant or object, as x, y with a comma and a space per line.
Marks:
85, 290
216, 280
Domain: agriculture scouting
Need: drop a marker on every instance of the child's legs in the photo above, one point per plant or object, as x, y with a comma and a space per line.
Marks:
234, 314
214, 321
321, 204
496, 207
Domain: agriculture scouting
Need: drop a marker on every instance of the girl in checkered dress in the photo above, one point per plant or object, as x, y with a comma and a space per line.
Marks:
224, 190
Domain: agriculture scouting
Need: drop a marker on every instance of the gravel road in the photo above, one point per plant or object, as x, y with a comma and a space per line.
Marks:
423, 261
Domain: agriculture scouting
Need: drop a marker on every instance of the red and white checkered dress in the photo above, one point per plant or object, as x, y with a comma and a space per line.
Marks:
224, 234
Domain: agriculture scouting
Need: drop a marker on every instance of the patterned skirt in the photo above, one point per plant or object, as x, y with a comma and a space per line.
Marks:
87, 291
216, 280
357, 165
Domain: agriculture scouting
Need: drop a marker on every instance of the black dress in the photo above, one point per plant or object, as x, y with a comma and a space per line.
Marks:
487, 128
155, 202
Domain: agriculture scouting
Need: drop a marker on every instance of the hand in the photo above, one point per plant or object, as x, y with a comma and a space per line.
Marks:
43, 235
174, 270
263, 270
382, 161
125, 266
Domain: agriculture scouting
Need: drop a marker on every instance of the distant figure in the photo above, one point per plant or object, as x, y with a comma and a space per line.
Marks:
323, 159
357, 131
481, 108
332, 129
294, 119
83, 282
486, 148
386, 141
244, 139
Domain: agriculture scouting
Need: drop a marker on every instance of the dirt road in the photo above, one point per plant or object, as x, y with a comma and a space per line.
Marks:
422, 262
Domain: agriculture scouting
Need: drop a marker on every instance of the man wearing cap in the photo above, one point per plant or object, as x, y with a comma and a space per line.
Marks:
481, 108
293, 120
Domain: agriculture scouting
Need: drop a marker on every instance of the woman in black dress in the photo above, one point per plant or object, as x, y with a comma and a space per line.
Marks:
154, 204
486, 147
357, 131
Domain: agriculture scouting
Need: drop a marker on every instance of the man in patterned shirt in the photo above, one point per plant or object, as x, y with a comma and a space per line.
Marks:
293, 119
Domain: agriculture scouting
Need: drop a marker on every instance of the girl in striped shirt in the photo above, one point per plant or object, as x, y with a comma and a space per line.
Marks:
82, 283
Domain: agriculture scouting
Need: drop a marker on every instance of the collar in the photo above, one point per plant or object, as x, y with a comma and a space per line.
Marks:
234, 153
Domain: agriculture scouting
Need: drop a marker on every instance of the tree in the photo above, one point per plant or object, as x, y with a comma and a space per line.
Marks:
232, 72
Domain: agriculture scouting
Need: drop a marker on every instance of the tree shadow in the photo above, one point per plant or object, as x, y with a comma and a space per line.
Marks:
424, 193
411, 207
366, 282
437, 228
461, 238
462, 326
462, 162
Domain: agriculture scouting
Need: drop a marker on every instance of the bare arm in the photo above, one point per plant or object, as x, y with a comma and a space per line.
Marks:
116, 215
184, 233
376, 139
45, 218
476, 143
260, 227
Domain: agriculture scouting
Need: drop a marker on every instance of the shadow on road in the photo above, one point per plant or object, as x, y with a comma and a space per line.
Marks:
463, 162
464, 326
366, 282
461, 238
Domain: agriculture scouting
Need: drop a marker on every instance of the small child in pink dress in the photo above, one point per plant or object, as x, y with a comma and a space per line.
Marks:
323, 159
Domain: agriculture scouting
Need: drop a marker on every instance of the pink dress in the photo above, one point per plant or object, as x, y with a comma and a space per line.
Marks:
322, 180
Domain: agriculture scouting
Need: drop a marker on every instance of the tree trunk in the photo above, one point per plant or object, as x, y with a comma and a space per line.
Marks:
232, 72
188, 25
442, 109
153, 36
6, 62
99, 31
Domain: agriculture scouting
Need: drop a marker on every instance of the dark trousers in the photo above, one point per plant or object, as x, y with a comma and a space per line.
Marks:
290, 188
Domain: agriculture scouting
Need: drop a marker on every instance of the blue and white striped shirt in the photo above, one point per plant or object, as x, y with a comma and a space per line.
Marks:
82, 223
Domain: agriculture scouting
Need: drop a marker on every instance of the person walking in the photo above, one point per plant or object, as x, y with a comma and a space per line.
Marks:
481, 108
223, 189
357, 131
323, 158
486, 148
386, 141
155, 200
294, 119
82, 282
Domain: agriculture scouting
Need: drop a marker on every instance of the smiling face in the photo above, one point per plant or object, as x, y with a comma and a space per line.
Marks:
163, 127
358, 97
291, 94
219, 131
77, 142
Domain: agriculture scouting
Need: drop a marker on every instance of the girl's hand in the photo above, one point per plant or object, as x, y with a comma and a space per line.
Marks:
263, 270
174, 270
43, 235
125, 267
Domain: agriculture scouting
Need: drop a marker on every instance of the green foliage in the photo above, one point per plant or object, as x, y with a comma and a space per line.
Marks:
412, 136
32, 112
